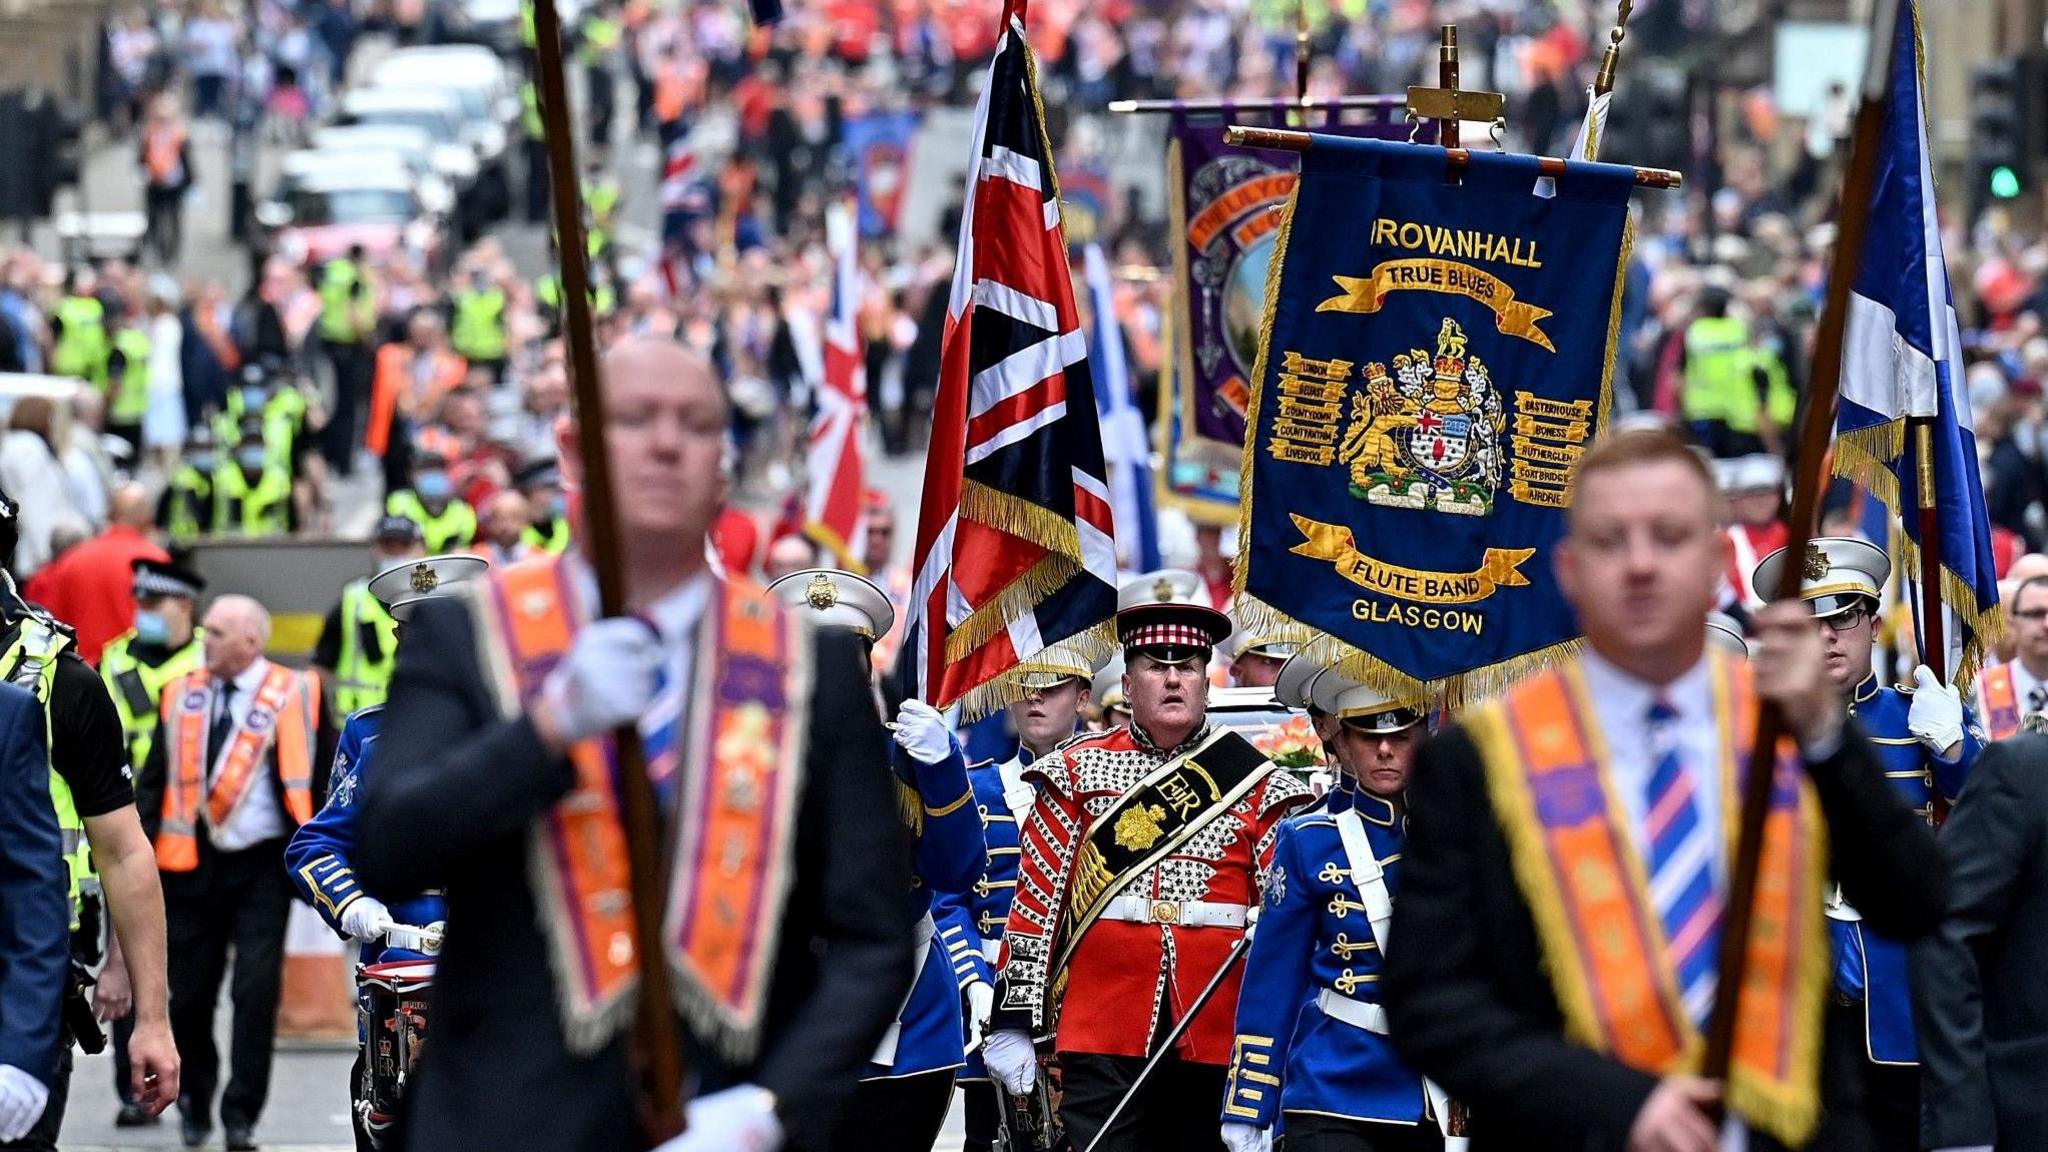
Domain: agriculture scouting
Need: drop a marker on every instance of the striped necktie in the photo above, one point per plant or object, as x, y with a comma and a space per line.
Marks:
2037, 699
660, 735
1681, 867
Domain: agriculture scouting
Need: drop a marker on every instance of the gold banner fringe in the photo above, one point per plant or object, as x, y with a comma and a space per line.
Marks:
1090, 648
1260, 366
1008, 513
1865, 455
1019, 598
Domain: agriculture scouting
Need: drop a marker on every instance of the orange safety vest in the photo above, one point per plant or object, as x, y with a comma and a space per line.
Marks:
285, 713
394, 376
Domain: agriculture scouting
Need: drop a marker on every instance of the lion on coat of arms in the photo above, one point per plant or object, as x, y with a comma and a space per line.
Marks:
1427, 436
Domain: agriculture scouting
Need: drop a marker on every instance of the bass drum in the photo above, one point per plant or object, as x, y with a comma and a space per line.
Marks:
394, 1001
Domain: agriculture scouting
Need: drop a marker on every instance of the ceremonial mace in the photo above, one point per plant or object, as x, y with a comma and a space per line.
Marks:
1853, 224
1187, 1018
657, 1049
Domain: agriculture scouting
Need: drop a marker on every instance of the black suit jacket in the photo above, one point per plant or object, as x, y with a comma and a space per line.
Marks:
1980, 980
151, 778
1467, 996
455, 792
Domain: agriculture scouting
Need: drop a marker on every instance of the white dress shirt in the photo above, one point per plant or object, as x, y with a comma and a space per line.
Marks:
260, 816
1621, 703
2024, 683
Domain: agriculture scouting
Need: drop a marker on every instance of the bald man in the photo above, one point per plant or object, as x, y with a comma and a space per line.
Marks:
501, 538
241, 755
786, 925
91, 586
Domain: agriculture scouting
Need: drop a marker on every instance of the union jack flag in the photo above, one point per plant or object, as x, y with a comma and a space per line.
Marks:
1016, 553
835, 501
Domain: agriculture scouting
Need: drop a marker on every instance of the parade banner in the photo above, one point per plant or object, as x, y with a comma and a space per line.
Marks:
1224, 209
1434, 358
878, 146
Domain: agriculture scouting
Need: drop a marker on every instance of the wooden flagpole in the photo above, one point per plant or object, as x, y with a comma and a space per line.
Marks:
657, 1047
1853, 222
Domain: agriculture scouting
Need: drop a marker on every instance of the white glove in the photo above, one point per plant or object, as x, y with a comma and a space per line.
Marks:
981, 1000
1936, 716
607, 680
1240, 1137
1012, 1059
366, 919
22, 1098
921, 731
740, 1119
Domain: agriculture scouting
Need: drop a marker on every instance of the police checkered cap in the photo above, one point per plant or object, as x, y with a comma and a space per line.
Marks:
156, 578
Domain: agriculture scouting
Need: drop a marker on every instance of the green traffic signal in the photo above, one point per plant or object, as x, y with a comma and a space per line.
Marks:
2005, 183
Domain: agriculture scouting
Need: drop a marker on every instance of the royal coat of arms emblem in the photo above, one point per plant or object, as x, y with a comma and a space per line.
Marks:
1427, 435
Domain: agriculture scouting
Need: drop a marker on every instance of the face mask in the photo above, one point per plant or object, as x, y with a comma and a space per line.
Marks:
252, 399
251, 459
204, 461
152, 628
433, 486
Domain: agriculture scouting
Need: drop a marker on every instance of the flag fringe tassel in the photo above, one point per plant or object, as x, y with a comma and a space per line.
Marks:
1089, 648
1866, 456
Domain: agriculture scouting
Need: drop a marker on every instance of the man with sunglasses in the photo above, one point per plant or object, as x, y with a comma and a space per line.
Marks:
1926, 743
1143, 857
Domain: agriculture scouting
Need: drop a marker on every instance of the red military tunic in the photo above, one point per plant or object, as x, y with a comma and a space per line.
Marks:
1109, 998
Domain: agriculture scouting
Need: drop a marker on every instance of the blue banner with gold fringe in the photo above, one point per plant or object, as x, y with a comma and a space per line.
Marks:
1437, 354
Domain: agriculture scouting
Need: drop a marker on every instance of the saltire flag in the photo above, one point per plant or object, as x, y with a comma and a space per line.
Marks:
1016, 546
835, 502
1904, 408
1123, 427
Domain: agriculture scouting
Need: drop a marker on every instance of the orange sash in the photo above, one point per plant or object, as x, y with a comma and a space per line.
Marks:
740, 765
1998, 702
1586, 886
284, 711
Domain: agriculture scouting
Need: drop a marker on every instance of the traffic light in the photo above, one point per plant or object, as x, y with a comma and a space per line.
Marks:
2005, 127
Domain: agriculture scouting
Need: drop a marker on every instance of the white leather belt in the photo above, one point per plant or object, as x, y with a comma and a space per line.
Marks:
990, 949
1179, 913
1357, 1013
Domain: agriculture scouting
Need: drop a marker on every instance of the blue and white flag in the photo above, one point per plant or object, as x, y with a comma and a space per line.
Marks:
1123, 428
1902, 371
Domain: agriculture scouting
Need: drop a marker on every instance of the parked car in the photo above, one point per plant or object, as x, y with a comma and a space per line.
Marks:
297, 168
457, 154
490, 106
328, 213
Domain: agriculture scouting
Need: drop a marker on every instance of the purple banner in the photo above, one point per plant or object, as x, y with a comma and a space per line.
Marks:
1224, 218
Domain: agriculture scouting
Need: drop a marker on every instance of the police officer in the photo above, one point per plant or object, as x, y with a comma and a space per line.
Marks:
163, 645
901, 1102
279, 410
1311, 1033
1926, 743
447, 522
348, 321
185, 511
600, 35
319, 856
541, 483
252, 494
533, 144
78, 331
108, 855
476, 326
1044, 719
1734, 402
128, 380
359, 639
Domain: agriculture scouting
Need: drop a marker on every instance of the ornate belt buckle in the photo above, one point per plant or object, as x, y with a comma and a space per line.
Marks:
1166, 912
